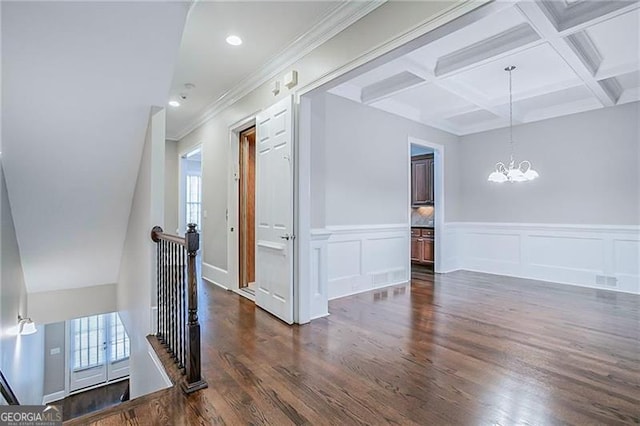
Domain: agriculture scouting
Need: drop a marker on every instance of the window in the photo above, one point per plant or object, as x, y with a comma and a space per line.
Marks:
119, 340
89, 341
193, 201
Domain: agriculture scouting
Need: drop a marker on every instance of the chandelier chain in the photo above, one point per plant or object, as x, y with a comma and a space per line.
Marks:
511, 112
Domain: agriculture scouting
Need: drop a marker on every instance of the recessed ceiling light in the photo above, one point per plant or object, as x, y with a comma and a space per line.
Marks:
174, 104
234, 40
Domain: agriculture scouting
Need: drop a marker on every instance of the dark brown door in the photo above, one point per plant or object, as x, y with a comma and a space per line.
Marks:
247, 207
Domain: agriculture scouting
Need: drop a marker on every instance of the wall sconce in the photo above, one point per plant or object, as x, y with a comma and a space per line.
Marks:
26, 326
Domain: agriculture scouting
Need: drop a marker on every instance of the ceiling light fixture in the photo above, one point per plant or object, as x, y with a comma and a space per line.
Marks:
234, 40
523, 172
26, 326
174, 104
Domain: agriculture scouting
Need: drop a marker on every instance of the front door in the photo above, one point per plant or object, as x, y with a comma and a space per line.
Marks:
274, 210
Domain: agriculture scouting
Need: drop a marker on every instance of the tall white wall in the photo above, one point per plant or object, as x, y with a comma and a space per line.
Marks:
386, 22
136, 285
588, 165
172, 181
21, 357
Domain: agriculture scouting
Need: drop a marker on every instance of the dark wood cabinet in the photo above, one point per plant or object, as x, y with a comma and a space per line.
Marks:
422, 180
422, 245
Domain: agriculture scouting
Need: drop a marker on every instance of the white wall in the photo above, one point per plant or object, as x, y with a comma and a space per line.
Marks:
386, 22
588, 165
366, 165
21, 357
136, 285
171, 187
577, 223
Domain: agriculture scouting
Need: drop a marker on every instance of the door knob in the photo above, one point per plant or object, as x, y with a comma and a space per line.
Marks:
287, 237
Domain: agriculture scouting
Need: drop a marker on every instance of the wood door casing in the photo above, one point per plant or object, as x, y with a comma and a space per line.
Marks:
247, 206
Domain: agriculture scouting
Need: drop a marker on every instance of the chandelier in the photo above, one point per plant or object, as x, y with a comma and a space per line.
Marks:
503, 173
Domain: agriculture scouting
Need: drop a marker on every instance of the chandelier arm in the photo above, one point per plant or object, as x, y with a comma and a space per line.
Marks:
523, 163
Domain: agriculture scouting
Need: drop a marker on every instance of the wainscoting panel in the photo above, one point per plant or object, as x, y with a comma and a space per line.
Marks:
362, 258
598, 256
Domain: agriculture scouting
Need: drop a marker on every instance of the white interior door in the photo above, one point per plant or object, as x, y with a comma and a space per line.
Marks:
274, 210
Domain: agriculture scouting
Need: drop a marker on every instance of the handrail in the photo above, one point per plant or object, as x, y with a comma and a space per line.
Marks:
178, 325
157, 235
7, 392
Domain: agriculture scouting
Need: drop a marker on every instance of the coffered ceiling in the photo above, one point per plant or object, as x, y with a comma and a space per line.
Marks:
571, 56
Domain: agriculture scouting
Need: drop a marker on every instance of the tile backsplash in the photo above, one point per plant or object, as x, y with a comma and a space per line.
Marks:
422, 216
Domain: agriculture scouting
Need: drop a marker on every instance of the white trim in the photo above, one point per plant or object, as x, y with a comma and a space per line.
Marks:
439, 203
215, 275
52, 397
182, 183
571, 227
336, 21
232, 281
156, 361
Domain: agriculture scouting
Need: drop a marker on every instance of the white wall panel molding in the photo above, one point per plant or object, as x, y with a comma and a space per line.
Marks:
365, 257
597, 256
215, 275
319, 273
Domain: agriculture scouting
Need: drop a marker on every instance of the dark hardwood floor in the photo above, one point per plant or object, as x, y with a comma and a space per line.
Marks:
92, 400
458, 349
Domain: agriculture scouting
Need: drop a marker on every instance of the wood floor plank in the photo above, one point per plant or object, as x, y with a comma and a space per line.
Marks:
461, 348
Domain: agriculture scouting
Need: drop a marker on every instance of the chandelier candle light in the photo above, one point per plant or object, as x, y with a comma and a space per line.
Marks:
523, 172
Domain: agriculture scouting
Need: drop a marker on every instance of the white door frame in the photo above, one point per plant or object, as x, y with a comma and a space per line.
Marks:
233, 199
182, 198
439, 195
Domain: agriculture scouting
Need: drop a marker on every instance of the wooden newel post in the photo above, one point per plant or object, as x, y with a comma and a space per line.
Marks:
194, 379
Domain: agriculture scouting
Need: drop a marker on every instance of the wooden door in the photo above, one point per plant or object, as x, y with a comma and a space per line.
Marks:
274, 210
247, 207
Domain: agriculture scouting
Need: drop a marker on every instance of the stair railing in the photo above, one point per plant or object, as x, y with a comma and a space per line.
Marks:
177, 290
7, 392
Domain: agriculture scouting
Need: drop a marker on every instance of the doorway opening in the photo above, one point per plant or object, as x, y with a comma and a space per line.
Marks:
247, 210
191, 190
426, 209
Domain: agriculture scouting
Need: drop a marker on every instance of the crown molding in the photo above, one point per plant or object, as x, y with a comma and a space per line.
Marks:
334, 22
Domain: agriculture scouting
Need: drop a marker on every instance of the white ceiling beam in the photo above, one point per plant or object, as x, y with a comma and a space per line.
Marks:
462, 91
506, 41
569, 19
570, 51
390, 86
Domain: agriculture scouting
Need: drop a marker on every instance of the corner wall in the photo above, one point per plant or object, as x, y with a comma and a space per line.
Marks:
21, 357
136, 284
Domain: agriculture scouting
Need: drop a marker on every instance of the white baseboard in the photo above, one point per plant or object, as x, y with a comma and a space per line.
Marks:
595, 256
53, 397
215, 275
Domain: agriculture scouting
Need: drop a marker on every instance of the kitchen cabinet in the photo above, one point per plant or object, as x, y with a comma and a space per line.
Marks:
422, 180
422, 246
